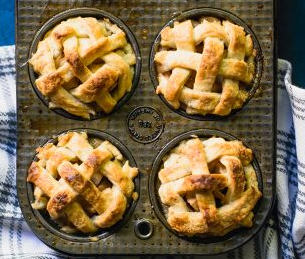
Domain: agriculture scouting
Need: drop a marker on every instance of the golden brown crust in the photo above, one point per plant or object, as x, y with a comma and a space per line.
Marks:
236, 177
195, 183
102, 80
80, 219
227, 59
209, 65
183, 33
42, 179
59, 201
230, 91
50, 83
81, 181
43, 61
74, 60
188, 223
232, 216
114, 211
218, 148
199, 101
113, 171
196, 173
67, 76
72, 176
62, 98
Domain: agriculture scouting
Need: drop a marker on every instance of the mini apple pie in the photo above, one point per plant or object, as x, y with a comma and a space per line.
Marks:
84, 184
204, 66
84, 65
209, 187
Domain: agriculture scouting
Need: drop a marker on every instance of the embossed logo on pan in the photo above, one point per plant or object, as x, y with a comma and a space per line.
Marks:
145, 124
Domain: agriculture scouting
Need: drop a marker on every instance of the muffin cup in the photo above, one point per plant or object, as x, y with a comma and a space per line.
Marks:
214, 244
222, 15
86, 12
45, 224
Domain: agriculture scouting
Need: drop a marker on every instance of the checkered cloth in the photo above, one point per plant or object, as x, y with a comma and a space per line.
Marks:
17, 240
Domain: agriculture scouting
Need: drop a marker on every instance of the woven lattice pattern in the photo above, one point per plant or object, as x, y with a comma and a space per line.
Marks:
85, 65
201, 65
86, 187
210, 187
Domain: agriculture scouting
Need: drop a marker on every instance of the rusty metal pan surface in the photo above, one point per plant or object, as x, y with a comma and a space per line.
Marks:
144, 123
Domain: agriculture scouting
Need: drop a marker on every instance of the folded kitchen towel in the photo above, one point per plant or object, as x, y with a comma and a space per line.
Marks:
290, 170
17, 240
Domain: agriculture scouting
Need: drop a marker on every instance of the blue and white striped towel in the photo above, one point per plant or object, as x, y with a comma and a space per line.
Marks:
17, 240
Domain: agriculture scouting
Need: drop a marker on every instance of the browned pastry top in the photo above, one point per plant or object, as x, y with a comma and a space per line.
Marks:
209, 187
204, 66
84, 185
84, 65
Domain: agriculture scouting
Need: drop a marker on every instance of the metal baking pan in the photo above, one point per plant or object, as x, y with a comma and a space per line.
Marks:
254, 124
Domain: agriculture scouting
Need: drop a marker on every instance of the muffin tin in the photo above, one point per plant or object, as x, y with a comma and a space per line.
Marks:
254, 124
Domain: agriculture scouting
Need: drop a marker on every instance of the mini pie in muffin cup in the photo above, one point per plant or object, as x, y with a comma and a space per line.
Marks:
85, 65
84, 184
208, 187
205, 65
